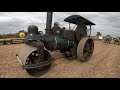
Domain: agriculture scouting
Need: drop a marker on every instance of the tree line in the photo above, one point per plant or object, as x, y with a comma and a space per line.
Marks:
11, 35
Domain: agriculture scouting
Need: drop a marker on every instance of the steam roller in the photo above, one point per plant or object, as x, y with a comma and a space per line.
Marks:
28, 58
34, 55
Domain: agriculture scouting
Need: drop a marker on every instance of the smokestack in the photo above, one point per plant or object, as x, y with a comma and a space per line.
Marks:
49, 22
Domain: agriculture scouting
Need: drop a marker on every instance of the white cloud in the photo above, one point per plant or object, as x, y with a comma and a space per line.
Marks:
106, 22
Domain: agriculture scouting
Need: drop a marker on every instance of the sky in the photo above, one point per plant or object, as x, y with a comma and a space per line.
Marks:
108, 23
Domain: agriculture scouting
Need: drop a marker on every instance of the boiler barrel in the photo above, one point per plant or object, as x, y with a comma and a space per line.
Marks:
58, 43
62, 43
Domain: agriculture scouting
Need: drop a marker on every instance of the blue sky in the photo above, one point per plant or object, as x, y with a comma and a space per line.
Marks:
106, 22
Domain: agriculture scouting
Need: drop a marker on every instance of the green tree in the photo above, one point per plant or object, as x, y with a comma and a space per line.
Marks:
0, 36
98, 34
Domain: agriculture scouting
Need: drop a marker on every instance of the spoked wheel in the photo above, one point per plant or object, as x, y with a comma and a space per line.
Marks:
85, 49
32, 59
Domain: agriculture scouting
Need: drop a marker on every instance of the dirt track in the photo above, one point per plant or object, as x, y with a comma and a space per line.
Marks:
105, 63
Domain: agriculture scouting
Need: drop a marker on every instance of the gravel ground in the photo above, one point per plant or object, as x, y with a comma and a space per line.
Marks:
105, 63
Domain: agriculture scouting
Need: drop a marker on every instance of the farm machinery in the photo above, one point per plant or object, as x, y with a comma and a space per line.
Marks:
116, 40
35, 57
19, 39
107, 39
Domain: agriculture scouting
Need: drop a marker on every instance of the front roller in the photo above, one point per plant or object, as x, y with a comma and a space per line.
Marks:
85, 49
28, 58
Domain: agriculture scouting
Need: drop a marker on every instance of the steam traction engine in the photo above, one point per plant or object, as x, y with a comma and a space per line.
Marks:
34, 55
107, 39
116, 40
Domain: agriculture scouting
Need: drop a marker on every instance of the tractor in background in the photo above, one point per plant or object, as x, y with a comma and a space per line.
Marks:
15, 39
116, 40
107, 39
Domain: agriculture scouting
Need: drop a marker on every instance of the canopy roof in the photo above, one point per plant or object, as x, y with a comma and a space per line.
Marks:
77, 19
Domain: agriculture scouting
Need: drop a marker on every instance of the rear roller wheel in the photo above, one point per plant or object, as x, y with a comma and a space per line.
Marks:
85, 49
32, 59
